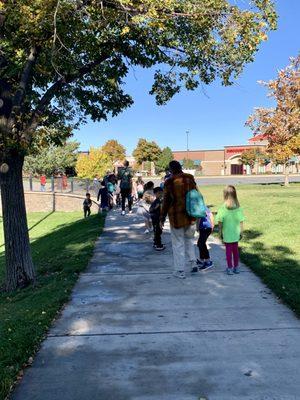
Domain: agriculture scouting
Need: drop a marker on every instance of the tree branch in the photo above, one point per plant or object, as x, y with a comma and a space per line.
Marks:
59, 84
25, 77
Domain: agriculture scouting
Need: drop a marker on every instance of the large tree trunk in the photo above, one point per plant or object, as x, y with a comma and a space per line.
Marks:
19, 266
286, 175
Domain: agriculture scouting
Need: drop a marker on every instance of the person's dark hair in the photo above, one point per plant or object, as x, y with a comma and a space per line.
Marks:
103, 183
157, 189
126, 163
149, 185
88, 194
175, 167
112, 178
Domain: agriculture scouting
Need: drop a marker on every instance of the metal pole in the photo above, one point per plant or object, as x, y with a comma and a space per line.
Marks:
187, 145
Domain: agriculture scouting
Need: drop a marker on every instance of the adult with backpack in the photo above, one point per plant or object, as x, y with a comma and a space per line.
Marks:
125, 178
183, 204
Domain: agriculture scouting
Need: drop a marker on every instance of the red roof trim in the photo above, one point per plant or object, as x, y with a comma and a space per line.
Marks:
258, 138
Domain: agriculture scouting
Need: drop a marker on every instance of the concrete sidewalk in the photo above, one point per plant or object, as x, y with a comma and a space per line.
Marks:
133, 332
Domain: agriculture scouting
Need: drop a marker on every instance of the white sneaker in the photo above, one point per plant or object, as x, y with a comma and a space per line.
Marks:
130, 212
123, 213
179, 274
147, 231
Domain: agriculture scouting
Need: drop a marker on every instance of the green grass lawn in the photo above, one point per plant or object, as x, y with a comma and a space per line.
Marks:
271, 243
62, 244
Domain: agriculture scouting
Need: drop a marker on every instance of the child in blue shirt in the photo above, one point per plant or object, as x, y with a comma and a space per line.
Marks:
205, 226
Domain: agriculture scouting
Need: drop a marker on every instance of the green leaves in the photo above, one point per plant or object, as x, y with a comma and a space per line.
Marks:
84, 50
52, 159
164, 159
146, 151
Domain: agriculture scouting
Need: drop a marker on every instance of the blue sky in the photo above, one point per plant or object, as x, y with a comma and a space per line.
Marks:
214, 118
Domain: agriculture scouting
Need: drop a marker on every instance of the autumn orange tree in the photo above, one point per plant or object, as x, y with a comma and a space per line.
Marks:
114, 150
64, 61
252, 156
249, 157
281, 125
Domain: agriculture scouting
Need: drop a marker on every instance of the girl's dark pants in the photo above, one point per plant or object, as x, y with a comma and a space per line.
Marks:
204, 234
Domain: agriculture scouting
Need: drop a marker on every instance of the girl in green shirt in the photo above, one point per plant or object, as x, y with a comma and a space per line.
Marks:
230, 218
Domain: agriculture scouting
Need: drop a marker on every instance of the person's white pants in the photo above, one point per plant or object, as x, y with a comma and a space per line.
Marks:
183, 247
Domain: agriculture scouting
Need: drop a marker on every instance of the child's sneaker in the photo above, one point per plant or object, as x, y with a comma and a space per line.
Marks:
123, 213
229, 271
236, 270
160, 248
179, 274
200, 263
194, 269
206, 266
147, 232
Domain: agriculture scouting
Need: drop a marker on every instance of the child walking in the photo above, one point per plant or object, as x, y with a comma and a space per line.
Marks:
205, 226
155, 211
144, 205
103, 196
87, 205
230, 217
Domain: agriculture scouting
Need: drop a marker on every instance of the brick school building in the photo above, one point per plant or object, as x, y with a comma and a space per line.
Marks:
227, 161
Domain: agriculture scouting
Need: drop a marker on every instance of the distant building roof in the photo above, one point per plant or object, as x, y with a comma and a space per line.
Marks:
258, 138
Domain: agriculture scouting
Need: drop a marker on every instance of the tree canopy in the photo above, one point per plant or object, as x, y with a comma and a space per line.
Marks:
280, 125
252, 156
188, 163
95, 163
146, 151
62, 61
164, 159
114, 150
52, 159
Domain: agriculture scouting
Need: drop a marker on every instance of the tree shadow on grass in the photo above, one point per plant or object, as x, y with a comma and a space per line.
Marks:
276, 266
250, 234
27, 314
66, 247
31, 227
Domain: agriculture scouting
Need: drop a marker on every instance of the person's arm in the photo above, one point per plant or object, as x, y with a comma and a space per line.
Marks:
221, 230
99, 195
212, 222
167, 201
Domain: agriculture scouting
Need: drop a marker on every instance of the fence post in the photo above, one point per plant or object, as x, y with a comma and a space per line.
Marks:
52, 184
72, 185
30, 184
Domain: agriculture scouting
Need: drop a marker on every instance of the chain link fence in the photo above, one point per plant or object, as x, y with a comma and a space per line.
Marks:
62, 184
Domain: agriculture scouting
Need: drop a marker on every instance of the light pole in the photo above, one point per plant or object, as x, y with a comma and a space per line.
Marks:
187, 144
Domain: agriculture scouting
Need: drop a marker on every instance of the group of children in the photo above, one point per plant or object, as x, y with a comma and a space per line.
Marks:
229, 217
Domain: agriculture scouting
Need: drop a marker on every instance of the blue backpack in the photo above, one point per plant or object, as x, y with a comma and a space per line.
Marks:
195, 206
